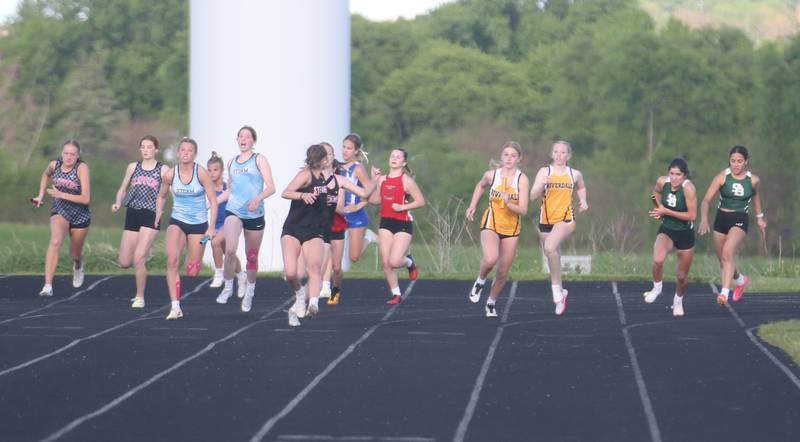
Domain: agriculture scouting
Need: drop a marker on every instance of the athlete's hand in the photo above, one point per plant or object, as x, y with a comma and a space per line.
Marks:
397, 207
703, 228
350, 208
654, 213
55, 193
762, 223
210, 232
308, 198
114, 208
470, 213
376, 173
252, 206
583, 206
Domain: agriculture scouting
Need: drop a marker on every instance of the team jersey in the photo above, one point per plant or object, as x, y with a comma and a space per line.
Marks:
246, 183
497, 216
350, 174
557, 200
393, 191
315, 215
674, 200
144, 187
189, 199
332, 198
221, 206
69, 182
735, 195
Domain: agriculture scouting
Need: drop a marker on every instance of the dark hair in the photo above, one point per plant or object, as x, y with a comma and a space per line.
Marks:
740, 150
405, 157
314, 155
215, 159
359, 143
514, 145
150, 138
249, 128
680, 163
190, 141
335, 163
74, 143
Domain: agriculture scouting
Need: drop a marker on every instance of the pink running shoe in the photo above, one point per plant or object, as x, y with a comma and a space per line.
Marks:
738, 291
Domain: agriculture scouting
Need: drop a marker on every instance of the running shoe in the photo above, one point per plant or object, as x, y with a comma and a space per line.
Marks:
293, 321
370, 236
491, 311
738, 291
677, 307
650, 296
395, 299
175, 313
137, 302
561, 306
475, 293
46, 291
325, 292
334, 300
217, 281
224, 295
247, 300
313, 309
722, 300
241, 284
299, 305
77, 275
412, 269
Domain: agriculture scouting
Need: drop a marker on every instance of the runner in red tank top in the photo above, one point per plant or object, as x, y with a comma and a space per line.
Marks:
396, 226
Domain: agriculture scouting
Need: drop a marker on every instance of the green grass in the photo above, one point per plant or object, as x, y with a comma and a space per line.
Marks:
784, 335
23, 253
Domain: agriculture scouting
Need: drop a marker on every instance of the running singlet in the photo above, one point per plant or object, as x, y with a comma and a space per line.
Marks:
246, 183
68, 182
557, 201
331, 198
350, 174
674, 200
314, 215
392, 191
497, 216
145, 185
189, 200
735, 195
221, 207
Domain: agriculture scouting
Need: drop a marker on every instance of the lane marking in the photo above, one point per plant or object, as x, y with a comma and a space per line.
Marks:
271, 422
92, 336
313, 437
128, 394
45, 327
54, 303
652, 423
469, 412
425, 333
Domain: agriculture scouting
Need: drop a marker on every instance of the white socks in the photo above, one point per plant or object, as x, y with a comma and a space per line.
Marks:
408, 262
657, 286
396, 291
326, 285
677, 300
481, 281
740, 279
724, 291
176, 305
313, 301
557, 295
229, 284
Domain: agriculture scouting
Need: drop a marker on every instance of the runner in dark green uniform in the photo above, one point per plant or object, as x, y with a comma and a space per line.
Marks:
737, 189
677, 208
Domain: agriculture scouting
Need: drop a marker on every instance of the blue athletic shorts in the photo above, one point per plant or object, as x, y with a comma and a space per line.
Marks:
357, 219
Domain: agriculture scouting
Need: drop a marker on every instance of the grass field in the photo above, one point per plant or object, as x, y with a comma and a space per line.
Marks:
784, 335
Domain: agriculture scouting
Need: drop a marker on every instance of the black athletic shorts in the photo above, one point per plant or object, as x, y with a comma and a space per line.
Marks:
502, 237
547, 228
333, 236
301, 233
397, 226
83, 225
726, 220
190, 229
249, 223
681, 239
138, 218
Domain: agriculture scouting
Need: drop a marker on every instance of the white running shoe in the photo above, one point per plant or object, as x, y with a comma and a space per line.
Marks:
370, 236
218, 280
650, 296
677, 307
175, 313
325, 292
313, 309
137, 303
247, 300
46, 291
475, 293
561, 306
77, 276
224, 295
241, 284
293, 321
491, 311
299, 305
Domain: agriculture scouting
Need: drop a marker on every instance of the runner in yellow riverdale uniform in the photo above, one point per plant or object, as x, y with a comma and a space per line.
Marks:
501, 222
555, 184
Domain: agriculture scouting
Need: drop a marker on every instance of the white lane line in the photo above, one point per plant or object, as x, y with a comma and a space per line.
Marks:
749, 331
425, 333
128, 394
45, 327
469, 412
269, 424
92, 336
313, 437
652, 423
54, 303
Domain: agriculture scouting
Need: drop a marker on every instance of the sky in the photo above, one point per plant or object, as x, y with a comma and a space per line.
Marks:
376, 10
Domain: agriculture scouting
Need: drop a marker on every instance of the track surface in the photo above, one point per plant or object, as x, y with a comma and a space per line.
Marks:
84, 366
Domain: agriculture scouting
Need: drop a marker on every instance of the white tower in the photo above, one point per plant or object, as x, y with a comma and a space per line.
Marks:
282, 67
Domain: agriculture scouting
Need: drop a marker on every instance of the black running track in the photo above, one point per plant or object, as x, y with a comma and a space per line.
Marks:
84, 366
